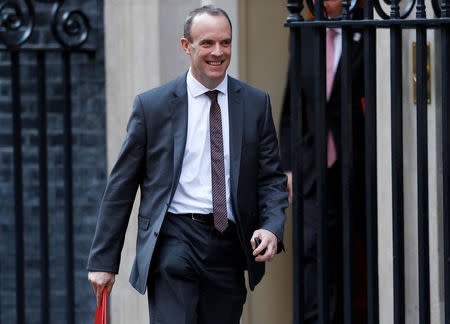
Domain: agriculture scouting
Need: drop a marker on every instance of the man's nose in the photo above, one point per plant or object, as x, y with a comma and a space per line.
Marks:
217, 50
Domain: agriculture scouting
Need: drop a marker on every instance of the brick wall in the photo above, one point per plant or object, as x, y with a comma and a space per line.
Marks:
89, 168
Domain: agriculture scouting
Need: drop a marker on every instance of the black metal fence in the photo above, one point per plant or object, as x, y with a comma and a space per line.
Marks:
67, 35
395, 21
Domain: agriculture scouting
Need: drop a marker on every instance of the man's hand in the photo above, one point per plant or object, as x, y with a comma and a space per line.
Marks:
289, 185
100, 280
268, 241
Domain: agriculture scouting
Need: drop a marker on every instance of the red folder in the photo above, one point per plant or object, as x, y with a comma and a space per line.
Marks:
101, 316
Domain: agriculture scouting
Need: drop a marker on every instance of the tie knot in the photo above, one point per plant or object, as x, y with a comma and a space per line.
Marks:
212, 95
331, 33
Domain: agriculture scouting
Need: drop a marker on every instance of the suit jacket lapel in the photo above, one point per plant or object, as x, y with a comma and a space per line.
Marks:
236, 116
354, 52
178, 106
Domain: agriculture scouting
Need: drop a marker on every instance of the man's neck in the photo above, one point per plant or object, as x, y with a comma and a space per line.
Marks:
211, 85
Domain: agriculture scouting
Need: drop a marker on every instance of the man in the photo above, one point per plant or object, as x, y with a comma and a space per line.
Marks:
308, 168
203, 151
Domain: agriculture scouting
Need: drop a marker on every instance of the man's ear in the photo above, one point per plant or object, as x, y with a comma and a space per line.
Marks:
185, 46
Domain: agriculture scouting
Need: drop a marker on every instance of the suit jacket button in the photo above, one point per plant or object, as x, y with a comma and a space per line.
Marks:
156, 234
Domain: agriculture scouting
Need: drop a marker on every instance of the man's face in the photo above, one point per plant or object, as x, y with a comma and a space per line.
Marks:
210, 50
333, 8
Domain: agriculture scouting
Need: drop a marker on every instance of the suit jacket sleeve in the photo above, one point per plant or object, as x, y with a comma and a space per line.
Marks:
119, 196
272, 190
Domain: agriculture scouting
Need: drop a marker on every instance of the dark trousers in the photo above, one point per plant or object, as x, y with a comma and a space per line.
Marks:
196, 275
334, 255
333, 251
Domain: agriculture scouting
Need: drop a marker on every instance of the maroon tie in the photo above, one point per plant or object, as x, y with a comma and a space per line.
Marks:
331, 148
219, 193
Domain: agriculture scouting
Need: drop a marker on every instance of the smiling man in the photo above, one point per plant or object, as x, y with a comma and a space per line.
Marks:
203, 151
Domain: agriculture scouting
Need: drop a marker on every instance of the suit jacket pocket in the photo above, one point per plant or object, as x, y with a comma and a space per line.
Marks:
143, 223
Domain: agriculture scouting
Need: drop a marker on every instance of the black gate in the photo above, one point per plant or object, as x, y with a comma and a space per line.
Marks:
45, 45
394, 21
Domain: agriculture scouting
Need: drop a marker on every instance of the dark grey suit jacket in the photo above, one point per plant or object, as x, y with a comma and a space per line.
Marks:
307, 165
333, 114
151, 159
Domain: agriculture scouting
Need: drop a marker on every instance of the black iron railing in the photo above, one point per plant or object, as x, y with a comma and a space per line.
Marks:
71, 30
445, 39
396, 22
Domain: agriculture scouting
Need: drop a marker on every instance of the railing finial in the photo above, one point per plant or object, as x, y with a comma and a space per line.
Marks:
294, 7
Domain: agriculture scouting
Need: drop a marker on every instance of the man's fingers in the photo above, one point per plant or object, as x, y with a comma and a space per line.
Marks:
268, 245
266, 257
269, 252
290, 192
289, 185
99, 281
261, 248
253, 243
108, 290
99, 293
96, 293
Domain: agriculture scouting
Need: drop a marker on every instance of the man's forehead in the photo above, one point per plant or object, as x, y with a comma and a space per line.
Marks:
209, 23
207, 16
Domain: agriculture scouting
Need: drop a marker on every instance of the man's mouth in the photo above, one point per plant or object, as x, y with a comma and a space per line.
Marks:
215, 63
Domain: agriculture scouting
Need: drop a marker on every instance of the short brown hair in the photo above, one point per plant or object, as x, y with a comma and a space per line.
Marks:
210, 10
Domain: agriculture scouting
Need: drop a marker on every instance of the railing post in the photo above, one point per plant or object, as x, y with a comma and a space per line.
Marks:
397, 166
68, 187
422, 167
43, 188
18, 187
320, 132
445, 48
295, 7
347, 164
371, 165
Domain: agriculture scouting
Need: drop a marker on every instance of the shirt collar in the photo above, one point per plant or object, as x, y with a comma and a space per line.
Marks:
337, 30
196, 88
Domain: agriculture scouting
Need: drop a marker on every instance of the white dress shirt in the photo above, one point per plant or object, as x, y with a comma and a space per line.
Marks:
194, 193
337, 47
